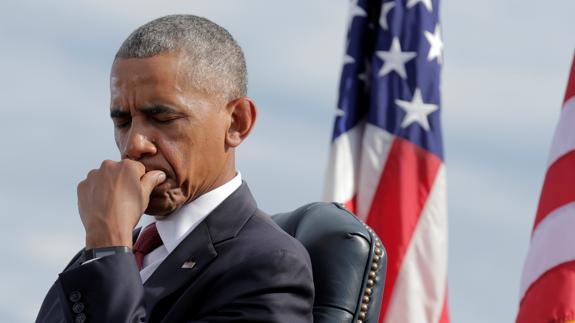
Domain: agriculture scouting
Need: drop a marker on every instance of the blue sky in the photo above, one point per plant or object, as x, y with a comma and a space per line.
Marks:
506, 65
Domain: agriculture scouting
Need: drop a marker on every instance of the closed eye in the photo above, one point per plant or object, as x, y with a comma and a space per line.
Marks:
120, 124
159, 114
166, 119
162, 114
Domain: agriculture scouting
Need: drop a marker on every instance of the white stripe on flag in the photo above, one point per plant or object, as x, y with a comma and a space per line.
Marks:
341, 175
375, 149
551, 245
564, 138
419, 291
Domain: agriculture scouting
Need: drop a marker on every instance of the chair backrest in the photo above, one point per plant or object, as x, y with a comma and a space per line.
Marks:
348, 260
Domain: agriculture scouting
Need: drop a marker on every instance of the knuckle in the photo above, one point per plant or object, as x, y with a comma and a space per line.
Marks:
91, 174
107, 163
82, 188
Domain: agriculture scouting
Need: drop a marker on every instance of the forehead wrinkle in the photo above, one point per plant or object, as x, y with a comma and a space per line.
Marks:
183, 78
136, 75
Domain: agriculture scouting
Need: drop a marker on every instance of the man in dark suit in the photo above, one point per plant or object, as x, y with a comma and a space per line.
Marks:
207, 254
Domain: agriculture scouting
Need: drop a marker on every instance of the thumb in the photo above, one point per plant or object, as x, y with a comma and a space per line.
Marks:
152, 179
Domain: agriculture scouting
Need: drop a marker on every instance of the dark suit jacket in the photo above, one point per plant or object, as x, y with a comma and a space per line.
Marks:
246, 270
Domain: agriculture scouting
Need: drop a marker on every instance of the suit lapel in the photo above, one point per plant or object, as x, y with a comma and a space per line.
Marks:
197, 250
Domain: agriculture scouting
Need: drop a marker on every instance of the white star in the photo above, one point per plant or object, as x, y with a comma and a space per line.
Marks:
394, 59
435, 43
339, 112
416, 110
426, 3
385, 9
355, 11
348, 59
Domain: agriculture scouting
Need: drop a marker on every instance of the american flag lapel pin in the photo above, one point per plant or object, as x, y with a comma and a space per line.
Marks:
189, 264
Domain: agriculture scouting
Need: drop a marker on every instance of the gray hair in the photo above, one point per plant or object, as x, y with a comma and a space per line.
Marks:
217, 63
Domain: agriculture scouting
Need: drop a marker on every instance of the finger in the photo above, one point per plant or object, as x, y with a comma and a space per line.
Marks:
134, 165
152, 179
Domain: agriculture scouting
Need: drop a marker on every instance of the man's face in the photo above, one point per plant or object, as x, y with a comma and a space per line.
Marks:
162, 122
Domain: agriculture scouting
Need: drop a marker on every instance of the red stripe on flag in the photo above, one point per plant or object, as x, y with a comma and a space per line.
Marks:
351, 205
558, 187
444, 318
570, 92
550, 298
403, 189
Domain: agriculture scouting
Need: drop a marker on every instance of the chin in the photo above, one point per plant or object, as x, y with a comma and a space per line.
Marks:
162, 204
159, 207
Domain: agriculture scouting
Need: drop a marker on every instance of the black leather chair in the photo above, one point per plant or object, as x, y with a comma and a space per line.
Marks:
348, 259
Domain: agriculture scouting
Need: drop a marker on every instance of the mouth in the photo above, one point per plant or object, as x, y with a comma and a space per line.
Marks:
150, 166
161, 189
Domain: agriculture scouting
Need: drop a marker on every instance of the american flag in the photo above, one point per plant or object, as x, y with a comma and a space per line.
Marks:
547, 289
386, 162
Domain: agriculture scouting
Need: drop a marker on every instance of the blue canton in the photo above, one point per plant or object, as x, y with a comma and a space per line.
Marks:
391, 71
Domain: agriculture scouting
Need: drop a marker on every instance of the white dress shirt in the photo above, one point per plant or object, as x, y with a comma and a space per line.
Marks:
175, 227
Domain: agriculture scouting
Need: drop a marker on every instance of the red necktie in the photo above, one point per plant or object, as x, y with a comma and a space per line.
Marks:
149, 240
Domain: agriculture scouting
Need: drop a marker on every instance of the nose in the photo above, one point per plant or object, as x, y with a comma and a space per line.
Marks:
138, 145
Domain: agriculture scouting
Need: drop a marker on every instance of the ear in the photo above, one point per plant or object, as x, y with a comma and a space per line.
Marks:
243, 117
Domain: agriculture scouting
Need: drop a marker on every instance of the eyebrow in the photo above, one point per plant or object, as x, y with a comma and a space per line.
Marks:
118, 113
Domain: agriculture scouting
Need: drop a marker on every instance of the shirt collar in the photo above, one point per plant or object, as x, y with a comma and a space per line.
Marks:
175, 227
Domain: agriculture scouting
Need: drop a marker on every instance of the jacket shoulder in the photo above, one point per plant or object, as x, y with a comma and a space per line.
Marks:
263, 235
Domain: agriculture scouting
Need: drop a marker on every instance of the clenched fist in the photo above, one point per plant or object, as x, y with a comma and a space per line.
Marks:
112, 199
